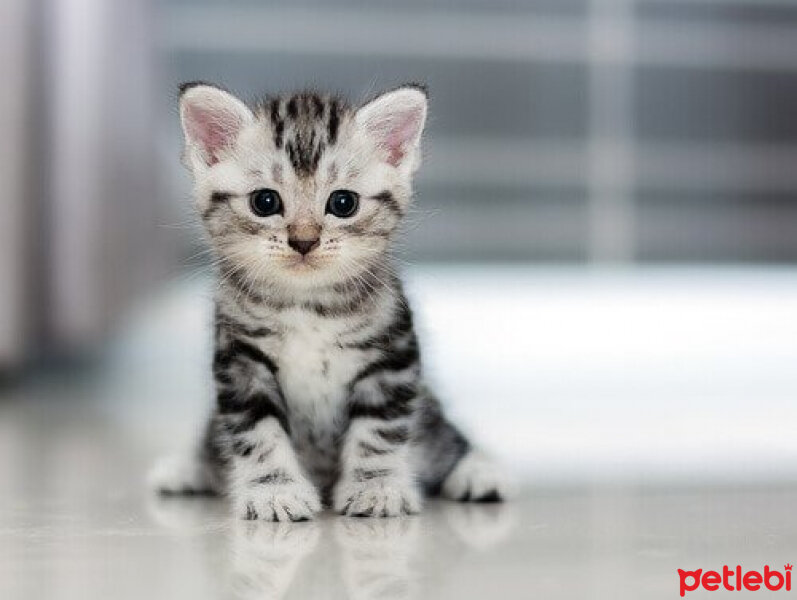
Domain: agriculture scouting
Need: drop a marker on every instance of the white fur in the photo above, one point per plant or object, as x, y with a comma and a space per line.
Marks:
309, 343
181, 473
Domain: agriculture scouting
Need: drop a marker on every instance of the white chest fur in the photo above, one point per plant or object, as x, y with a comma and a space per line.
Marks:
314, 371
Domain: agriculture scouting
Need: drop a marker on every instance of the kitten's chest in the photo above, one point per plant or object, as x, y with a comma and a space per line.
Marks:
313, 370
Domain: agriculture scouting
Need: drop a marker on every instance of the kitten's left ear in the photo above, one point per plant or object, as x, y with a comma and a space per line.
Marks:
394, 121
212, 118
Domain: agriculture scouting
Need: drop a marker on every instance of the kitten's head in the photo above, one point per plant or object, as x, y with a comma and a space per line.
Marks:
302, 191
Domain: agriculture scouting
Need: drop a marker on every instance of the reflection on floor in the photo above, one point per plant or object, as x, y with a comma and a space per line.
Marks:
76, 523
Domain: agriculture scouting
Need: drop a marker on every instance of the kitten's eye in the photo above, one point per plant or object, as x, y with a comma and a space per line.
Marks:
265, 203
343, 203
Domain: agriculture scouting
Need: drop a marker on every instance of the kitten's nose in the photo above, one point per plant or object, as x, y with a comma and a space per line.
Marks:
303, 246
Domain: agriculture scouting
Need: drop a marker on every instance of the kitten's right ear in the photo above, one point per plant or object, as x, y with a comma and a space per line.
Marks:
394, 121
212, 120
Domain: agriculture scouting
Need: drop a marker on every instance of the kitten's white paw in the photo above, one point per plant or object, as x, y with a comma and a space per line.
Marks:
476, 478
181, 474
294, 501
382, 497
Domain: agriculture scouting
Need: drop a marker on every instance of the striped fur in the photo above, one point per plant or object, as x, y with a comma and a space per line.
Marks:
320, 393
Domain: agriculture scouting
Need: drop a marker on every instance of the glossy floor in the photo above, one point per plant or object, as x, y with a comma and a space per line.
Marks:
77, 523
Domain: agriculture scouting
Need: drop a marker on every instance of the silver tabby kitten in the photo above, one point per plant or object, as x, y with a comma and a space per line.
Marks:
320, 397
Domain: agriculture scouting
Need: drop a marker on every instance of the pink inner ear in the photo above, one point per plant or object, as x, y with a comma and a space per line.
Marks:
397, 131
213, 130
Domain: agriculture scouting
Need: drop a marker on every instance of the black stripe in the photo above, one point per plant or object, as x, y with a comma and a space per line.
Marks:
290, 148
369, 450
334, 121
218, 197
395, 360
317, 105
394, 435
399, 394
242, 448
277, 123
352, 300
274, 110
253, 410
397, 405
387, 198
265, 454
222, 376
293, 108
312, 153
217, 201
398, 328
334, 310
224, 358
254, 333
304, 155
227, 323
228, 401
361, 475
233, 276
275, 477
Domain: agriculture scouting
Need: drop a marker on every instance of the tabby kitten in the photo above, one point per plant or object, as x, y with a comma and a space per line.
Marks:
320, 397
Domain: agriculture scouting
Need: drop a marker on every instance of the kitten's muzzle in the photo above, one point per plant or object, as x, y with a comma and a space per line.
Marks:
303, 246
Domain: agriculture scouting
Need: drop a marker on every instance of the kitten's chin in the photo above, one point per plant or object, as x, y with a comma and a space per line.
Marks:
307, 272
311, 272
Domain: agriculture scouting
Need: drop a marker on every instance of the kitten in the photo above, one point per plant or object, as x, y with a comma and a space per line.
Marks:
320, 396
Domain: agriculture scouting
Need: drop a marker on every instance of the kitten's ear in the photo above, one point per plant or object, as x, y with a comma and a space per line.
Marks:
394, 122
212, 120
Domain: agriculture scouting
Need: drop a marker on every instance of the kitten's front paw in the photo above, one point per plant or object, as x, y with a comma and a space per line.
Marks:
383, 497
294, 501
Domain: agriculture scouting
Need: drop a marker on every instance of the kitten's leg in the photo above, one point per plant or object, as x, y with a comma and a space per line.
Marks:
377, 474
189, 473
264, 477
450, 466
265, 480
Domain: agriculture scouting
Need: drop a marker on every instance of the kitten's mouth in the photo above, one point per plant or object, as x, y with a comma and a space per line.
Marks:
304, 262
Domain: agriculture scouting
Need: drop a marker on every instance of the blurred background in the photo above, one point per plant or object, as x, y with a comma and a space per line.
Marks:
606, 218
602, 258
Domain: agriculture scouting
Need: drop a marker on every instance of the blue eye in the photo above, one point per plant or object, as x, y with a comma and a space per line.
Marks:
343, 203
265, 202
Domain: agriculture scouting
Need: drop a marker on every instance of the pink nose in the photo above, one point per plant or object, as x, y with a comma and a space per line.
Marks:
303, 246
